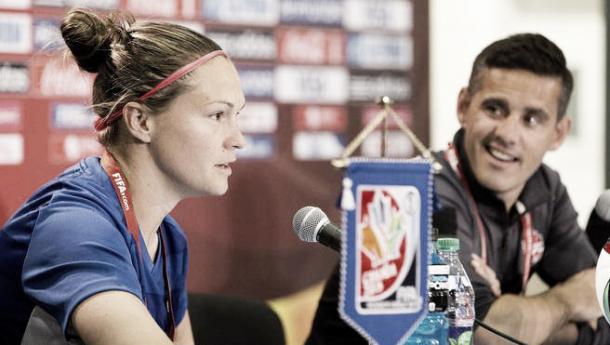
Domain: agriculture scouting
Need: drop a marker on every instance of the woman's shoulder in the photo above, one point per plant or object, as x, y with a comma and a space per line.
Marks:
86, 179
82, 187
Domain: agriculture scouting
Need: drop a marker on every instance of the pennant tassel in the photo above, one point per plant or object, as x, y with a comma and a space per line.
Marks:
347, 197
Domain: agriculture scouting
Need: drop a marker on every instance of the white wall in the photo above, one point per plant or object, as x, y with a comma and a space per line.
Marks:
460, 29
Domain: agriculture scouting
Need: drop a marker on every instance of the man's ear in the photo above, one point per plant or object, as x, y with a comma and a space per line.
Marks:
462, 105
137, 120
562, 129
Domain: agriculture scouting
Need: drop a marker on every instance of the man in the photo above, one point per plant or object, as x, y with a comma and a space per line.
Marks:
514, 215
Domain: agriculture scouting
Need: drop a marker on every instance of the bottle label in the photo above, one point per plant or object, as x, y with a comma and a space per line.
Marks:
464, 323
433, 329
438, 270
452, 283
460, 335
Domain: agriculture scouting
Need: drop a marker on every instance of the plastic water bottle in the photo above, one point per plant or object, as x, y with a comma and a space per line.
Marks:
460, 311
434, 328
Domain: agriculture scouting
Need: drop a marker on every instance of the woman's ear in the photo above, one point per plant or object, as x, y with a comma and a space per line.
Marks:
137, 121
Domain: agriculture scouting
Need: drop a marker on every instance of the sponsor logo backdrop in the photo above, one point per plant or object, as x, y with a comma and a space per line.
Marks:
311, 71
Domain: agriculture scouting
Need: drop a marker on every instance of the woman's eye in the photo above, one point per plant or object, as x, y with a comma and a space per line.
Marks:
217, 116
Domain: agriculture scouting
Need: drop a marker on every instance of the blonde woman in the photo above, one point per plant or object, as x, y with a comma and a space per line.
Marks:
93, 255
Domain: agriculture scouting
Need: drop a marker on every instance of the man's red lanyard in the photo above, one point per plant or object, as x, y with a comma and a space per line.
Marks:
451, 155
117, 178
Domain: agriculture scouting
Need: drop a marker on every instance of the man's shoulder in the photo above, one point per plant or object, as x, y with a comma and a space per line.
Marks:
446, 180
545, 182
551, 176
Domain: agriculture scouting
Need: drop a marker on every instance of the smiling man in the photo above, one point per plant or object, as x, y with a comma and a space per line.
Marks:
510, 119
514, 216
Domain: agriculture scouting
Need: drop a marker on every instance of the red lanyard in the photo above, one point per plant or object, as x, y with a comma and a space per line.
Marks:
451, 155
117, 178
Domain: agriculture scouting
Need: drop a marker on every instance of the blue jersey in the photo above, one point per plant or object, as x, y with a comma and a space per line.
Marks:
70, 241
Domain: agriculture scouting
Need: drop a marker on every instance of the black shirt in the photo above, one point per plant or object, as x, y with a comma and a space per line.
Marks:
566, 248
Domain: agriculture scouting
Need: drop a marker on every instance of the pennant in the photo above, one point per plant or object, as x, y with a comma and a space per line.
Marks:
384, 261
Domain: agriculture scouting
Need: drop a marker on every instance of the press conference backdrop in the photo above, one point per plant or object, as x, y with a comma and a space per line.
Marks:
310, 70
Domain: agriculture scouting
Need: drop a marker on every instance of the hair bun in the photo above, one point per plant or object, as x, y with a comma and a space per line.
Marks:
88, 38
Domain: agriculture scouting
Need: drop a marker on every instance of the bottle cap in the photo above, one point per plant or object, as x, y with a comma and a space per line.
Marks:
448, 244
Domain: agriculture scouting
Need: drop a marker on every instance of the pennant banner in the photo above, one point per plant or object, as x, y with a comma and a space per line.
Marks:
385, 247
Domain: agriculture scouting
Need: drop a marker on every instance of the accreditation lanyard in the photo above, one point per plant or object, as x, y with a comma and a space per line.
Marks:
117, 178
452, 156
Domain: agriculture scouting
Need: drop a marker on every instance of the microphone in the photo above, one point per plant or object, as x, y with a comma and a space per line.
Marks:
602, 206
598, 229
311, 224
598, 226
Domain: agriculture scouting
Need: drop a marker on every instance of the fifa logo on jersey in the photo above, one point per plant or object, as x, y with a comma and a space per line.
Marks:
120, 185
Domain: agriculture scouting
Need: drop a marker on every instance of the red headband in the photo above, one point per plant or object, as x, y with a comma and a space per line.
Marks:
103, 122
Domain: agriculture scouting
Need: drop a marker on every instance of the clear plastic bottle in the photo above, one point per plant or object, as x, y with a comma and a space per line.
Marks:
460, 310
434, 328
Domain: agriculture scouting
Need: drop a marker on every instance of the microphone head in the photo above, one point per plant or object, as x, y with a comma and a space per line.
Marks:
307, 222
602, 206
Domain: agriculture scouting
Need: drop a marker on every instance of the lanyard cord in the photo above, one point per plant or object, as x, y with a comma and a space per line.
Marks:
452, 156
117, 178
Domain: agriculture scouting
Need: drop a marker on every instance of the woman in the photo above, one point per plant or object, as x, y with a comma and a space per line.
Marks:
93, 254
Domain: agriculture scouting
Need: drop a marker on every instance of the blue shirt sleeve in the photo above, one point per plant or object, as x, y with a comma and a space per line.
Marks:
75, 253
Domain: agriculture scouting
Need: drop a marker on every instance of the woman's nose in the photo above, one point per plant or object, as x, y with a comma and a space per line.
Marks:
235, 139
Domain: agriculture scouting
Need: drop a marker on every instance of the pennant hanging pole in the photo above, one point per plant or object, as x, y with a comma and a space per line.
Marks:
385, 103
425, 152
358, 140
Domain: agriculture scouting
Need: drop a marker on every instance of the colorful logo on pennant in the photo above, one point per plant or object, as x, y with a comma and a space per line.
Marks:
387, 239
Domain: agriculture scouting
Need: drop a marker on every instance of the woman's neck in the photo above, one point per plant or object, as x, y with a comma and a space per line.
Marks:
152, 199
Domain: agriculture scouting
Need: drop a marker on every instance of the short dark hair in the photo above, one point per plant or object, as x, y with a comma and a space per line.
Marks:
530, 52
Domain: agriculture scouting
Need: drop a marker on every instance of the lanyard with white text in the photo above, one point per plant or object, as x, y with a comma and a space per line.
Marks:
451, 155
117, 178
